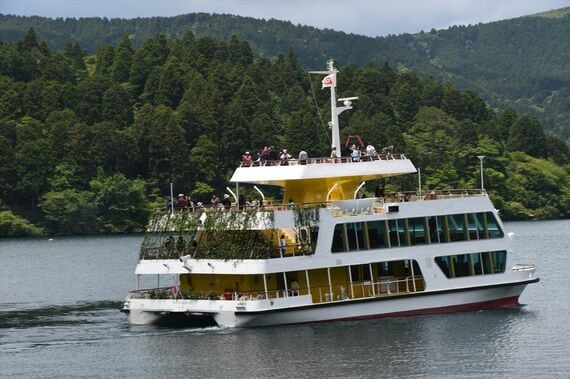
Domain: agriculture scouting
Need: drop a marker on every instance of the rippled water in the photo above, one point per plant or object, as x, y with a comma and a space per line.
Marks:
59, 317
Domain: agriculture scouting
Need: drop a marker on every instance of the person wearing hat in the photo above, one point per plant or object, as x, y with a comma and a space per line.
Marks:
246, 159
303, 156
284, 158
182, 201
226, 202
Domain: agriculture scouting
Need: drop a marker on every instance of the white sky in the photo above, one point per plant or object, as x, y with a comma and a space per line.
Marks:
367, 17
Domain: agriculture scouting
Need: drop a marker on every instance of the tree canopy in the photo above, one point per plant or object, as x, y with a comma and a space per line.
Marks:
90, 148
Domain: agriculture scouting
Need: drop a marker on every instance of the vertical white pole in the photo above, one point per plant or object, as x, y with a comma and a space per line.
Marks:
481, 157
265, 286
237, 196
372, 279
330, 284
350, 279
413, 274
286, 294
308, 282
420, 182
171, 198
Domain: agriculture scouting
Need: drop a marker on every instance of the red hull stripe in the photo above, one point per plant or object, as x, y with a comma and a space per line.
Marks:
506, 303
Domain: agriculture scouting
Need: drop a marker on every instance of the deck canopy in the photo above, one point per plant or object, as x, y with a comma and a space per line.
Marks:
311, 182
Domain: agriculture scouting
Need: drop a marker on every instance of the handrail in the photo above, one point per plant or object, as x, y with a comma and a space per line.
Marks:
524, 267
321, 160
390, 197
320, 294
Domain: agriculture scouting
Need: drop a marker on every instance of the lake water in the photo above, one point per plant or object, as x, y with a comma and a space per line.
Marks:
59, 317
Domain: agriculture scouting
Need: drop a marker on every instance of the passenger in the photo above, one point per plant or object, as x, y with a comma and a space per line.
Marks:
380, 191
371, 152
333, 152
273, 154
191, 204
215, 202
284, 157
282, 245
182, 201
303, 157
227, 203
387, 151
355, 153
246, 159
294, 286
264, 154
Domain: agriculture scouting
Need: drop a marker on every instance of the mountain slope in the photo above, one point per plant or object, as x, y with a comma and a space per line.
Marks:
520, 63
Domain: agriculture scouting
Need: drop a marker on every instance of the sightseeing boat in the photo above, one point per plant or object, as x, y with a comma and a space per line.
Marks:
325, 253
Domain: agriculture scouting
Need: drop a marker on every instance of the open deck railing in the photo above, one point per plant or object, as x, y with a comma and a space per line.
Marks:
320, 294
390, 197
312, 161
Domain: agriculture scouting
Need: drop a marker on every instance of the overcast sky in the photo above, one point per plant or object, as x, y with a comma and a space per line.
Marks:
368, 17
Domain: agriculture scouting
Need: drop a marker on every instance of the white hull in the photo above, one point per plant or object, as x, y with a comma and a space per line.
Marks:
261, 313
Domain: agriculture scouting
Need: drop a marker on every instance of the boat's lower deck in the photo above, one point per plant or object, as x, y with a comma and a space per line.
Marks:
245, 312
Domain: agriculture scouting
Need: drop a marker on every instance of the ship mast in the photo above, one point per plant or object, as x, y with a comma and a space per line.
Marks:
330, 81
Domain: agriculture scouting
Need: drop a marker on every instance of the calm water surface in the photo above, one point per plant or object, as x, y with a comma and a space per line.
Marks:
59, 317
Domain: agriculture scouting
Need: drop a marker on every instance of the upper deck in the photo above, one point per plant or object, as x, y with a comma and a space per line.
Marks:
322, 179
278, 173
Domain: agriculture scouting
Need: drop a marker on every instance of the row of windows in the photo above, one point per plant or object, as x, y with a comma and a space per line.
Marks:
456, 266
357, 236
394, 268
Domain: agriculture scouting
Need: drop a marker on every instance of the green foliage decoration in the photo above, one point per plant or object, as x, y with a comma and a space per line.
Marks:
210, 234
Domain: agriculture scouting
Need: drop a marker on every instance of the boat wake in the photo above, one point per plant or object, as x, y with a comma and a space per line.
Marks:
20, 316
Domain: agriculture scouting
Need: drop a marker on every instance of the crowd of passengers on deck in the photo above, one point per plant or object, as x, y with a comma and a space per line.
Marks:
269, 155
185, 202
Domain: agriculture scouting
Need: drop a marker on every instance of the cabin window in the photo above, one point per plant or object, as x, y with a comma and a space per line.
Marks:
444, 265
472, 227
360, 273
384, 269
351, 237
442, 229
417, 228
338, 243
461, 265
377, 234
493, 226
499, 261
432, 227
415, 231
483, 232
397, 233
457, 227
477, 260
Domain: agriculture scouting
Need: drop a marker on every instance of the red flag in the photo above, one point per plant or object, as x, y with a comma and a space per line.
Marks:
328, 81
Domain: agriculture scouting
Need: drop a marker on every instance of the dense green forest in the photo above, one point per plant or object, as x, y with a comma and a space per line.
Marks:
519, 63
90, 142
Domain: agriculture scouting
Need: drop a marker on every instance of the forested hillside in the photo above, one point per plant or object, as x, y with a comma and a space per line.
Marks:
90, 143
518, 63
